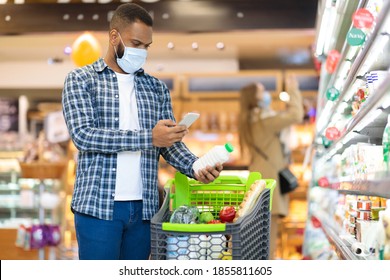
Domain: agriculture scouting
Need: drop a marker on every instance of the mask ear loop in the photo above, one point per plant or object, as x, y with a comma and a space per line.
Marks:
120, 37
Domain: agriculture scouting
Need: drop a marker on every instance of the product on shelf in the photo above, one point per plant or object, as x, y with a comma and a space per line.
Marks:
384, 220
386, 144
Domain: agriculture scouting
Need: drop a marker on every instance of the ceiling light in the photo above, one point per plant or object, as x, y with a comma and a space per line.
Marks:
195, 46
150, 1
240, 15
68, 50
170, 46
284, 96
7, 18
220, 45
165, 16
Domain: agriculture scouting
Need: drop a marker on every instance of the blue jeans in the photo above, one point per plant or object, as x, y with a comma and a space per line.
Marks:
126, 237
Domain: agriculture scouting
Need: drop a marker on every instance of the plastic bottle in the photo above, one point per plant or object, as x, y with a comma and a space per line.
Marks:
386, 144
218, 154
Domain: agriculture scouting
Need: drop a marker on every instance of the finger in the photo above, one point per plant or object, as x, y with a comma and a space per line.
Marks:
214, 173
211, 173
219, 167
167, 122
177, 137
199, 176
180, 128
208, 174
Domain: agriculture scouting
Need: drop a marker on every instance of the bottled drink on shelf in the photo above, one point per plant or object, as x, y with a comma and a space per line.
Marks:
386, 144
218, 154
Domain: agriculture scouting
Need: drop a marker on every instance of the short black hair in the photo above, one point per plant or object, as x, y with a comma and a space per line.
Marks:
129, 13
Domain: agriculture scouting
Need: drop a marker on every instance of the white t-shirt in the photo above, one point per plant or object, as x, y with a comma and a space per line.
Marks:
128, 178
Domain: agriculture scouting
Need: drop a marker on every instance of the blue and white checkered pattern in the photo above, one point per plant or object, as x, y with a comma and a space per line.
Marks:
90, 101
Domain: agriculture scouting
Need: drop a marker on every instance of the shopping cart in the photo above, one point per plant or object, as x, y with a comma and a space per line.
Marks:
245, 239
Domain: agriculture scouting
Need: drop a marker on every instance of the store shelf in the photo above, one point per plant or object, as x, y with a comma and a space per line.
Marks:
359, 67
377, 187
367, 125
11, 154
343, 249
352, 162
9, 187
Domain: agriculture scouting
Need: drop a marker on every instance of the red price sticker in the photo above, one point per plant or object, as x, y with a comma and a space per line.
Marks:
323, 182
332, 60
362, 18
332, 133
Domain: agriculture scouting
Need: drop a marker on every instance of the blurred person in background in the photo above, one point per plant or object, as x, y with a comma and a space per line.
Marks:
262, 135
121, 121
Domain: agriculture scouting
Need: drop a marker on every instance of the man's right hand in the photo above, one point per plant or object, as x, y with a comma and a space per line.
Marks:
167, 132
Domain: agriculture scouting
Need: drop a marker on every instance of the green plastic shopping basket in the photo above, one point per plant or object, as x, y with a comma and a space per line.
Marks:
247, 238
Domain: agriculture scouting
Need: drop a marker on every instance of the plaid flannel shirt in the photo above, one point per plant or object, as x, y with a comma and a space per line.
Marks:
90, 101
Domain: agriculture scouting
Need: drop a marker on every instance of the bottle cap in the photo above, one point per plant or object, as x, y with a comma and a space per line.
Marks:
229, 147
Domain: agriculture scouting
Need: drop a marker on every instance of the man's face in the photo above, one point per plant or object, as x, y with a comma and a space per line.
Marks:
136, 35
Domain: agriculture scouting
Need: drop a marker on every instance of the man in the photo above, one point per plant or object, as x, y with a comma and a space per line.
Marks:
121, 121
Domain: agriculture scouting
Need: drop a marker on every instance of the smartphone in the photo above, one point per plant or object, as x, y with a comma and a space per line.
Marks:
189, 119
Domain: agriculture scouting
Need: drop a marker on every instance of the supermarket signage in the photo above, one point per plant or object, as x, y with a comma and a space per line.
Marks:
332, 94
9, 115
362, 18
356, 37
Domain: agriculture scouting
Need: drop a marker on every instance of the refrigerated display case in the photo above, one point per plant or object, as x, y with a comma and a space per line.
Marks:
348, 166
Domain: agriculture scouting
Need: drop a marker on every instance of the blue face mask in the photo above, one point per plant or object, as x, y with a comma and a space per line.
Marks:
132, 60
265, 102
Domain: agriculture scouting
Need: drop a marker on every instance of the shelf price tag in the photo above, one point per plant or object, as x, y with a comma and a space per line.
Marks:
332, 133
356, 37
323, 182
332, 60
332, 94
362, 18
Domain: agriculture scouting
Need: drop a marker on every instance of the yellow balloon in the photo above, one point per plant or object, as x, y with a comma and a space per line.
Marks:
85, 50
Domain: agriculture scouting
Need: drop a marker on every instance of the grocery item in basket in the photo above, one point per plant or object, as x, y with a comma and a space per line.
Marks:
206, 217
227, 214
185, 215
214, 222
250, 198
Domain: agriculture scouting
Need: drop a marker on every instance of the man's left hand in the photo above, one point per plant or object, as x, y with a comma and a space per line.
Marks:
208, 174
